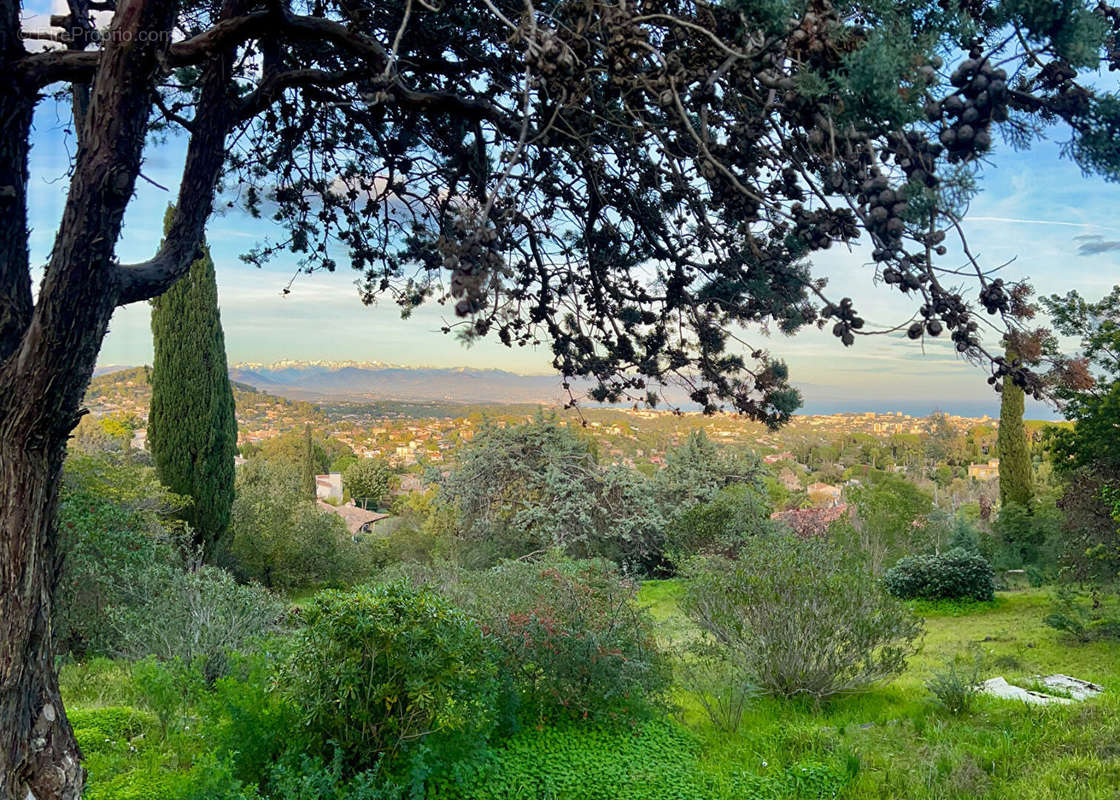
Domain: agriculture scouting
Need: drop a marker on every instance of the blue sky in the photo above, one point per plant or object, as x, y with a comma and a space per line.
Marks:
1035, 208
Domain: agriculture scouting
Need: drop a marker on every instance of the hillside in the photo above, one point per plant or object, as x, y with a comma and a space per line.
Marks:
128, 392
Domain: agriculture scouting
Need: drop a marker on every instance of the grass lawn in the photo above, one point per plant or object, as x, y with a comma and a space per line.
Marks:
895, 743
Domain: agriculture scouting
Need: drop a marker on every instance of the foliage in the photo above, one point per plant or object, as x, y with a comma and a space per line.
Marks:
653, 760
527, 488
1086, 618
890, 513
192, 426
1090, 545
722, 687
723, 524
368, 481
698, 469
113, 526
284, 540
1028, 536
391, 672
801, 617
1087, 454
953, 575
196, 616
1014, 451
956, 685
290, 447
571, 638
166, 687
301, 777
112, 433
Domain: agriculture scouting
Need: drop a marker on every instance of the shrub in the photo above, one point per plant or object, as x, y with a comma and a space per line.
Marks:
112, 518
1086, 617
1028, 536
721, 525
570, 636
196, 617
801, 617
311, 779
284, 540
953, 575
391, 672
166, 688
957, 684
722, 687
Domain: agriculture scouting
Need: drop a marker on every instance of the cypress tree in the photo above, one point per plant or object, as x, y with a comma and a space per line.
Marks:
1014, 452
308, 465
192, 427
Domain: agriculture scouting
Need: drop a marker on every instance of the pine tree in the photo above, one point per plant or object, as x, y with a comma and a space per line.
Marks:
192, 427
308, 466
1014, 452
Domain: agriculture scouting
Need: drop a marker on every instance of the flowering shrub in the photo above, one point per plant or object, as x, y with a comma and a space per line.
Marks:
571, 638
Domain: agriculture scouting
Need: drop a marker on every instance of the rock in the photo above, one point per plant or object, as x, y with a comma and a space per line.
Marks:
1075, 687
998, 687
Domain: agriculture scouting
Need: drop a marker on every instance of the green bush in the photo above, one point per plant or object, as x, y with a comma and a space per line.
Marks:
722, 687
1087, 616
391, 672
306, 778
720, 526
569, 635
953, 575
110, 723
197, 617
285, 541
111, 519
801, 617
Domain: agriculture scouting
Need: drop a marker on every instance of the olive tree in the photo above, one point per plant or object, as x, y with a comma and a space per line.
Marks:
630, 182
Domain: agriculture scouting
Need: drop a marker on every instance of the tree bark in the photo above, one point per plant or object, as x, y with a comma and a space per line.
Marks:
42, 382
15, 127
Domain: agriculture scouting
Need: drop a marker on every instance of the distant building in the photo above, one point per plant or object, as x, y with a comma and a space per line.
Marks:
329, 486
789, 480
774, 458
810, 522
984, 472
140, 439
823, 494
357, 520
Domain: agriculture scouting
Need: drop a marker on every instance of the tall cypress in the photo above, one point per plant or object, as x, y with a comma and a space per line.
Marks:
1014, 452
308, 478
192, 428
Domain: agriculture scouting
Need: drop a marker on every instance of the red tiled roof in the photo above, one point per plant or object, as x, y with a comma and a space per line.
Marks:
811, 521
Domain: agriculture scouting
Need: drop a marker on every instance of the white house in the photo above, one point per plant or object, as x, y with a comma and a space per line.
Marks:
329, 486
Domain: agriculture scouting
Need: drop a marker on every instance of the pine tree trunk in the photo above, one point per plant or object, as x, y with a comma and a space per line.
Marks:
39, 757
47, 356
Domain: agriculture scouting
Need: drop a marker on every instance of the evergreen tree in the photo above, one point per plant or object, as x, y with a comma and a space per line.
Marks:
192, 428
308, 466
1014, 451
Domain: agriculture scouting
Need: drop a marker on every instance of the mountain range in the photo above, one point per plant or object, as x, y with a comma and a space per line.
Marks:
325, 380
